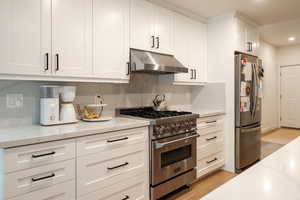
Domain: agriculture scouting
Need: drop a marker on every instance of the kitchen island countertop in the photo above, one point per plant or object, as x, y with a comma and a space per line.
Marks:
276, 177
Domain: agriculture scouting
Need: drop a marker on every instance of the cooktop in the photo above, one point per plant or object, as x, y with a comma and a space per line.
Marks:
150, 113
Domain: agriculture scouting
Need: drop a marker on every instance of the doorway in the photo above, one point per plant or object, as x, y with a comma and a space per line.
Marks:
290, 96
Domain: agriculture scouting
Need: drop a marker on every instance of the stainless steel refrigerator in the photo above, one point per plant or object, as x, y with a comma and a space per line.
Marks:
247, 110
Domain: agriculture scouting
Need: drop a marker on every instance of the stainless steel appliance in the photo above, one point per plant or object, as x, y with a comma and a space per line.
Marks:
173, 137
150, 62
247, 111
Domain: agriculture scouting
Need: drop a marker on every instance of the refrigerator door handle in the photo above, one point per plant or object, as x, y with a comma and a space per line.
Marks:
256, 90
254, 99
246, 130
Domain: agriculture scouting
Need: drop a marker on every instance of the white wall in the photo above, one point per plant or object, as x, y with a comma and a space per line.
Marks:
221, 43
289, 55
270, 101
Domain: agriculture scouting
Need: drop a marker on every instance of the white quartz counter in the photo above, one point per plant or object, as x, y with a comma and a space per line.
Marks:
209, 113
276, 177
25, 135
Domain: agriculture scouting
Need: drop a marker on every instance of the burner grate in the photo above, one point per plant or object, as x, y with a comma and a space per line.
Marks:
150, 113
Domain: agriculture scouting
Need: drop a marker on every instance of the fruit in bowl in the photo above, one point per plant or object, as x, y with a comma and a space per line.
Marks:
90, 114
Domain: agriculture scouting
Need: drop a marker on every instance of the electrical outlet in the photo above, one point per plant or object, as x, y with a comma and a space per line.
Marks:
14, 100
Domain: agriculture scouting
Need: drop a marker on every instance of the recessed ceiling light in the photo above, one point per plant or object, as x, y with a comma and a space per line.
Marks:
291, 38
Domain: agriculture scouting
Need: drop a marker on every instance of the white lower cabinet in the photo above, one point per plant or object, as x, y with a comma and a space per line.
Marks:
135, 187
108, 159
63, 191
112, 166
38, 178
210, 145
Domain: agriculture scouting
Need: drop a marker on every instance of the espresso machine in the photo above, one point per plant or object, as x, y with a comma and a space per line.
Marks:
56, 104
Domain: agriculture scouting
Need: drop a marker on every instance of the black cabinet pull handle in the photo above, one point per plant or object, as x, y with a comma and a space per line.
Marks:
118, 166
249, 46
128, 68
116, 140
43, 178
126, 197
195, 73
213, 138
153, 41
47, 62
158, 42
192, 73
211, 122
42, 155
57, 62
213, 160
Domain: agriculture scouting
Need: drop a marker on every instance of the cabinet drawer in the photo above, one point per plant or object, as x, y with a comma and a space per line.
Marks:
98, 170
37, 155
111, 142
209, 149
209, 139
134, 188
210, 125
63, 191
30, 180
210, 163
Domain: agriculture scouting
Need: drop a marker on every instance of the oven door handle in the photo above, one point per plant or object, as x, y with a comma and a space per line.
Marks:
160, 145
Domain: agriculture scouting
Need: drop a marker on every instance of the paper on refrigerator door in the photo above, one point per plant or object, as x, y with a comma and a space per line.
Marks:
245, 104
243, 89
247, 71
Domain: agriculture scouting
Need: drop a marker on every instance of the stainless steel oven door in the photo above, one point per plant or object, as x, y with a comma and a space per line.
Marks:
173, 156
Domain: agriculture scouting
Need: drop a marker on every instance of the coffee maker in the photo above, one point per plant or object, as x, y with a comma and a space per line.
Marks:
57, 105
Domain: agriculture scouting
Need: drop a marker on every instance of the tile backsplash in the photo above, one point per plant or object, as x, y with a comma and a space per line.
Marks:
139, 92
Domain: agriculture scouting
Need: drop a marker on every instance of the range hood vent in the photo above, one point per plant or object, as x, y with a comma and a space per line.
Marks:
150, 62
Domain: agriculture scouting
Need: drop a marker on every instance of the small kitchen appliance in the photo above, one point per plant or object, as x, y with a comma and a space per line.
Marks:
173, 148
57, 105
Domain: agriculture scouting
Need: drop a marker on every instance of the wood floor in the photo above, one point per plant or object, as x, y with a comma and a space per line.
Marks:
270, 143
281, 136
277, 139
206, 185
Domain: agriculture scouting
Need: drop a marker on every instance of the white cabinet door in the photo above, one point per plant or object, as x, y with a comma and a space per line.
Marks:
181, 45
142, 25
197, 51
190, 50
164, 30
72, 37
111, 38
25, 37
242, 45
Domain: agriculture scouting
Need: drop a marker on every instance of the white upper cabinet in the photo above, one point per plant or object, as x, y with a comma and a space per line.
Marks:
181, 46
164, 30
111, 39
247, 37
190, 50
151, 27
72, 37
25, 37
197, 51
142, 25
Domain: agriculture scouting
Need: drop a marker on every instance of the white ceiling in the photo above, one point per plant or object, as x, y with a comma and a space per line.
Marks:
278, 17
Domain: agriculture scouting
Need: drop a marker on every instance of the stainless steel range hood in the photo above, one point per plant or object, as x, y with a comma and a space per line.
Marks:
150, 62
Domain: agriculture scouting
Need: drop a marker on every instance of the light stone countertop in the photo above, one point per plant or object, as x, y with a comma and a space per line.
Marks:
209, 113
32, 134
276, 177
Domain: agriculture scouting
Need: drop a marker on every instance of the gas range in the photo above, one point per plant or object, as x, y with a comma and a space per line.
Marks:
173, 146
163, 123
